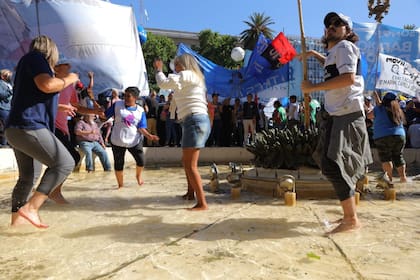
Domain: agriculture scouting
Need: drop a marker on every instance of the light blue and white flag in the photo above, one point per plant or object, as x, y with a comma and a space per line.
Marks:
397, 74
380, 38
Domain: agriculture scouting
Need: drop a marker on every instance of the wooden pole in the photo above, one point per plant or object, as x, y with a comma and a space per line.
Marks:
305, 64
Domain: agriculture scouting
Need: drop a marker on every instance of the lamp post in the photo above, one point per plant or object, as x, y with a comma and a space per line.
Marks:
381, 8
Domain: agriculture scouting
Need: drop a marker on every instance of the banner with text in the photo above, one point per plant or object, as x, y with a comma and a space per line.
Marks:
397, 74
380, 38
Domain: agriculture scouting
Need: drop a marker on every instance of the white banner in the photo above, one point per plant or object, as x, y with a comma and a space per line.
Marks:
94, 35
397, 74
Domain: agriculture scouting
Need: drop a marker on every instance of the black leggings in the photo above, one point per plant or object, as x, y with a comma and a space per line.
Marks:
119, 156
65, 139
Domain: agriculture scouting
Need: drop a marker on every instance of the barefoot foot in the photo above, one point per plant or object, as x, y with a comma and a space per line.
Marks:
140, 181
31, 217
338, 221
198, 207
58, 198
18, 220
346, 226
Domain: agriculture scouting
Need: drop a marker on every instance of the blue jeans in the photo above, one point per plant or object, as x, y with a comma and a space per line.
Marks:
170, 132
94, 147
195, 131
4, 114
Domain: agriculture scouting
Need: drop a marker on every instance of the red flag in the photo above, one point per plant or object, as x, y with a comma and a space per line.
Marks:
280, 51
284, 48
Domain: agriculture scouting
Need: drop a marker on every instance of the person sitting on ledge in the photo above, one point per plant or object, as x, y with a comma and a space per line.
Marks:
89, 138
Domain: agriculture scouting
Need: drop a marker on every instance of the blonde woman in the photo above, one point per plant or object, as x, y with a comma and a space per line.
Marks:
30, 129
190, 96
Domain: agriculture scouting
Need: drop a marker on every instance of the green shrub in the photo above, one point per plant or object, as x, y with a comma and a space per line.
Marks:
284, 148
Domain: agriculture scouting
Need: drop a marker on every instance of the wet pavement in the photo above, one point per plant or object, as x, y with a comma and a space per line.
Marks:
146, 233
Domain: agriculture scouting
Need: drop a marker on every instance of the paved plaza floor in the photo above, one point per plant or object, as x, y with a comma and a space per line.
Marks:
146, 233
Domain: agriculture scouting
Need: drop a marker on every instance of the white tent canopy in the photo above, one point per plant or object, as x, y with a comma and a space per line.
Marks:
94, 35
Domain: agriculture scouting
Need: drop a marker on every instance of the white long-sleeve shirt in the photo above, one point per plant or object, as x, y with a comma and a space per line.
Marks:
189, 92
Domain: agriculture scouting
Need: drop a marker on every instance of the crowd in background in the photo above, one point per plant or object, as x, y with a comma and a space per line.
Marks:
233, 122
410, 108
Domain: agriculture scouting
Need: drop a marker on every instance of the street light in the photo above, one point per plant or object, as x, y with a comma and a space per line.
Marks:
382, 7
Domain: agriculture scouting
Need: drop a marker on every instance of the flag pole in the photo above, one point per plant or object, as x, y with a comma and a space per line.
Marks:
305, 64
37, 17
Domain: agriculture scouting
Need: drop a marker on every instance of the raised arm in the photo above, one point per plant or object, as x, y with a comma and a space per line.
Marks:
49, 84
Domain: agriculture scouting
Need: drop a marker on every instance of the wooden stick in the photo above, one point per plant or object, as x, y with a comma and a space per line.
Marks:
305, 64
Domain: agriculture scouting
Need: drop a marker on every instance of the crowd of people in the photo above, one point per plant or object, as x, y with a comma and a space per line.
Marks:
49, 117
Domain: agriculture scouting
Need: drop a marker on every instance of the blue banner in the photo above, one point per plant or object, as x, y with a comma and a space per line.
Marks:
379, 38
256, 77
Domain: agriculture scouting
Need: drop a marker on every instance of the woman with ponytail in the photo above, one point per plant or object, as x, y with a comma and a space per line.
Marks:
389, 134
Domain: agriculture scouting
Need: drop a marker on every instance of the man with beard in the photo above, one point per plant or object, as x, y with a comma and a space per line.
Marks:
344, 144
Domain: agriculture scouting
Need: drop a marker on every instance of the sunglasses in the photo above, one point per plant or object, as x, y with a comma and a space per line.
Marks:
336, 23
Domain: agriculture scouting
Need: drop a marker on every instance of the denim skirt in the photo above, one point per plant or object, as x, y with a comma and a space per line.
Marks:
195, 130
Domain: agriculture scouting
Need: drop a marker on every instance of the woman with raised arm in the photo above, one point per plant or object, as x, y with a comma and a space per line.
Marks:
190, 96
30, 129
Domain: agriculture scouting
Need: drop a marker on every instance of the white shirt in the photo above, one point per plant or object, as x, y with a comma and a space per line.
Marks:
189, 92
293, 112
341, 59
127, 122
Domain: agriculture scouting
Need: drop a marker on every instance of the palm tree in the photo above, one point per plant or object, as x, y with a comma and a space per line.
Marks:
258, 24
409, 26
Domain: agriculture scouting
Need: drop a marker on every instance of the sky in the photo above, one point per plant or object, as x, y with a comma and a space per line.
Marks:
227, 16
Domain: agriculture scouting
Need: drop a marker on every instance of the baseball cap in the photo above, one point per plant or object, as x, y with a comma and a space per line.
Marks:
79, 85
390, 95
345, 19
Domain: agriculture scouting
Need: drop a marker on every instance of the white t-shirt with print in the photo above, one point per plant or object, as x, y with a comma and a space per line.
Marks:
344, 58
126, 124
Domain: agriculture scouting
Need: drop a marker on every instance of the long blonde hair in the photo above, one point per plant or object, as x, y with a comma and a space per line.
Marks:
188, 62
46, 46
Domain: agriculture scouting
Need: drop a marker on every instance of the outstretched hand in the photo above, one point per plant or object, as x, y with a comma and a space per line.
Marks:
154, 138
68, 109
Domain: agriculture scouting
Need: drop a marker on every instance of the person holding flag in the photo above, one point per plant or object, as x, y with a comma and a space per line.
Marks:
344, 143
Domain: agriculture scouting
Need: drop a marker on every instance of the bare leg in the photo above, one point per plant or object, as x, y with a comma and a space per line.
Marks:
350, 222
387, 167
139, 169
120, 178
57, 196
29, 211
402, 174
190, 161
190, 191
108, 132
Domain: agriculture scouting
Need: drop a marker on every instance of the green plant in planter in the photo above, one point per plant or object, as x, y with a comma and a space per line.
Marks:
284, 148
